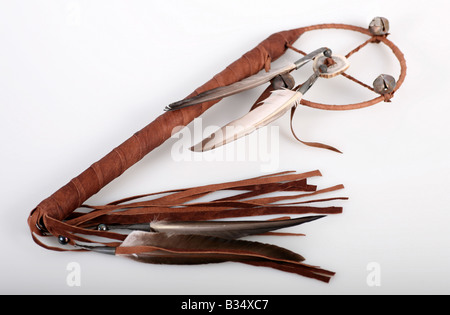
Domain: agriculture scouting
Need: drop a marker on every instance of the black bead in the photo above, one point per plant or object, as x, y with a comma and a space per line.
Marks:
63, 240
102, 227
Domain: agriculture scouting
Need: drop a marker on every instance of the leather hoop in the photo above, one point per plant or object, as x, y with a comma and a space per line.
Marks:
373, 39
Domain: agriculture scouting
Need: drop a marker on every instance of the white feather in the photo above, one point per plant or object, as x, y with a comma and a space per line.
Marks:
275, 106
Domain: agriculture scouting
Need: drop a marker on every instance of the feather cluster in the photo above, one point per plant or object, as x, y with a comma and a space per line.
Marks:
286, 193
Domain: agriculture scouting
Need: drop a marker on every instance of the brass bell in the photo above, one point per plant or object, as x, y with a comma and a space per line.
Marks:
384, 84
379, 26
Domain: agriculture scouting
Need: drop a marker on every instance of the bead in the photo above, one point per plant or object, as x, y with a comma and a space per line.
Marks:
379, 26
63, 240
323, 68
102, 227
384, 84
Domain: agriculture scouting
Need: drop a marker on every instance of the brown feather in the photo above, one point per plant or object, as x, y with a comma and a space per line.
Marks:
166, 248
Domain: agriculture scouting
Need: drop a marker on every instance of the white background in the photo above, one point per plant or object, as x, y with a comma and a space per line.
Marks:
77, 78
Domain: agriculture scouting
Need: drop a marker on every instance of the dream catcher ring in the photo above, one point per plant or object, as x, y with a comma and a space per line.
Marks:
384, 85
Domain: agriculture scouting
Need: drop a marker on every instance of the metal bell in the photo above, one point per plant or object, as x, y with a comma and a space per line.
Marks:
379, 26
384, 84
283, 81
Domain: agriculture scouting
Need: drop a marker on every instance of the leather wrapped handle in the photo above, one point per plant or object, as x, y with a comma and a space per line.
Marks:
69, 197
